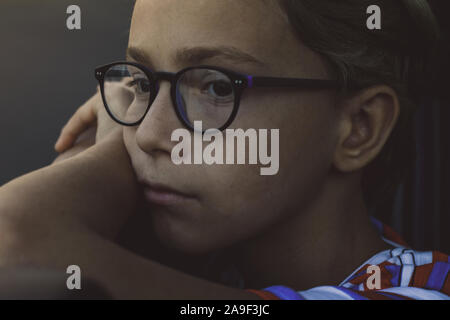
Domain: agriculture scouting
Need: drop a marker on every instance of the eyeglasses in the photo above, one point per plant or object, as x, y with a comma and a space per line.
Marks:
204, 93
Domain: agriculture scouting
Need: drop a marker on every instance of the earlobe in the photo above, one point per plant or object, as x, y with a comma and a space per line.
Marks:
366, 122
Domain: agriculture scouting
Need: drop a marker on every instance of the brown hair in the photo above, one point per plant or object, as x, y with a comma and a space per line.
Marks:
359, 57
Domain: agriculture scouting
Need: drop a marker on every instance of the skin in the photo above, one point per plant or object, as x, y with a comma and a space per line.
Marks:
314, 204
288, 209
232, 210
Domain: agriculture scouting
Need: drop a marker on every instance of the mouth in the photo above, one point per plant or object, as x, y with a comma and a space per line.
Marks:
164, 195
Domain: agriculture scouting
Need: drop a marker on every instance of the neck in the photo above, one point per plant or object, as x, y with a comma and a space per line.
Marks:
320, 245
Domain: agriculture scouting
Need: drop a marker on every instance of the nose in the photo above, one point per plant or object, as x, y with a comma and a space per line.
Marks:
154, 132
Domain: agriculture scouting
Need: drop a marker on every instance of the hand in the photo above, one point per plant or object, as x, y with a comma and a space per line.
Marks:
93, 114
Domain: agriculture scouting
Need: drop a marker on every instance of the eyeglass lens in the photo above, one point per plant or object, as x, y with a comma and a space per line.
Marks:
202, 94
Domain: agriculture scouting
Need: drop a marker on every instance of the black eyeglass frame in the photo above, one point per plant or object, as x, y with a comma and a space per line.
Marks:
239, 81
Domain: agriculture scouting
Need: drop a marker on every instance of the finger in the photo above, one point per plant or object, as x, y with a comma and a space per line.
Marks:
81, 120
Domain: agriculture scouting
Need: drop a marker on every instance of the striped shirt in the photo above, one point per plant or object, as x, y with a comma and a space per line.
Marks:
405, 274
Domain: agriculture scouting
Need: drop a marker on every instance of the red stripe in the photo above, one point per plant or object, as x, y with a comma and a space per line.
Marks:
439, 256
391, 235
385, 276
265, 295
421, 275
446, 287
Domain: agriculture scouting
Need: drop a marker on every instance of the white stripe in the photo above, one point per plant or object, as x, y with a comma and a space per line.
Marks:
396, 260
375, 260
379, 258
407, 258
325, 293
417, 293
423, 257
407, 272
397, 251
347, 285
392, 243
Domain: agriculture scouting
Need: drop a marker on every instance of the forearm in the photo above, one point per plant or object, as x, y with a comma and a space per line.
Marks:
85, 141
96, 188
123, 274
68, 213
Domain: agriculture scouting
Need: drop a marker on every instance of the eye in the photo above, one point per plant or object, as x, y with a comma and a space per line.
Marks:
219, 89
141, 86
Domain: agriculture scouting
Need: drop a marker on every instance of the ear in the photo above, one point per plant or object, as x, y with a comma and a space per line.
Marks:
365, 122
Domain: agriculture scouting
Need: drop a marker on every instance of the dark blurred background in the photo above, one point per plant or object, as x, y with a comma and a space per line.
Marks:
420, 208
47, 72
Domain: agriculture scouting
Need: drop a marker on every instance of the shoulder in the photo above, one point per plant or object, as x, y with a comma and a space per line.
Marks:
405, 273
402, 273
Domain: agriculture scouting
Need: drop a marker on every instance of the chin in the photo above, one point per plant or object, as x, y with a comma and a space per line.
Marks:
180, 235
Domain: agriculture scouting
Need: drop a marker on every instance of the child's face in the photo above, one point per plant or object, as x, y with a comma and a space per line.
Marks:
232, 202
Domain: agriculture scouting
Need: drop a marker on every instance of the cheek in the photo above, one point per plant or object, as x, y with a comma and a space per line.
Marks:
308, 142
237, 202
240, 203
129, 138
307, 124
307, 139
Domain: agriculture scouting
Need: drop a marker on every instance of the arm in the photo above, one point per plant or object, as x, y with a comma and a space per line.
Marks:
63, 214
83, 188
123, 274
84, 141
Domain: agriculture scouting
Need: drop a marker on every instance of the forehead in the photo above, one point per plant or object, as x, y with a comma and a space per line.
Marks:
257, 27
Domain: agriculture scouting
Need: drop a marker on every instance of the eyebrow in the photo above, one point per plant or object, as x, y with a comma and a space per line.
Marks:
196, 55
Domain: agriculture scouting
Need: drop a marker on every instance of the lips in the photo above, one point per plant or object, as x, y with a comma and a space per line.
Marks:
163, 195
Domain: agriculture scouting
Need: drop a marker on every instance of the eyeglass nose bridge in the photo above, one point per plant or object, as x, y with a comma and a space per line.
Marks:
172, 78
165, 76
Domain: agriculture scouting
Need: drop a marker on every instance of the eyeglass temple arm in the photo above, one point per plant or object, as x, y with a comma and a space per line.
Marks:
253, 82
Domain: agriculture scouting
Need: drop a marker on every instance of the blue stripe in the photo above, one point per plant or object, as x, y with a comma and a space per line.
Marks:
249, 81
351, 293
395, 272
356, 275
438, 275
284, 293
387, 295
377, 223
